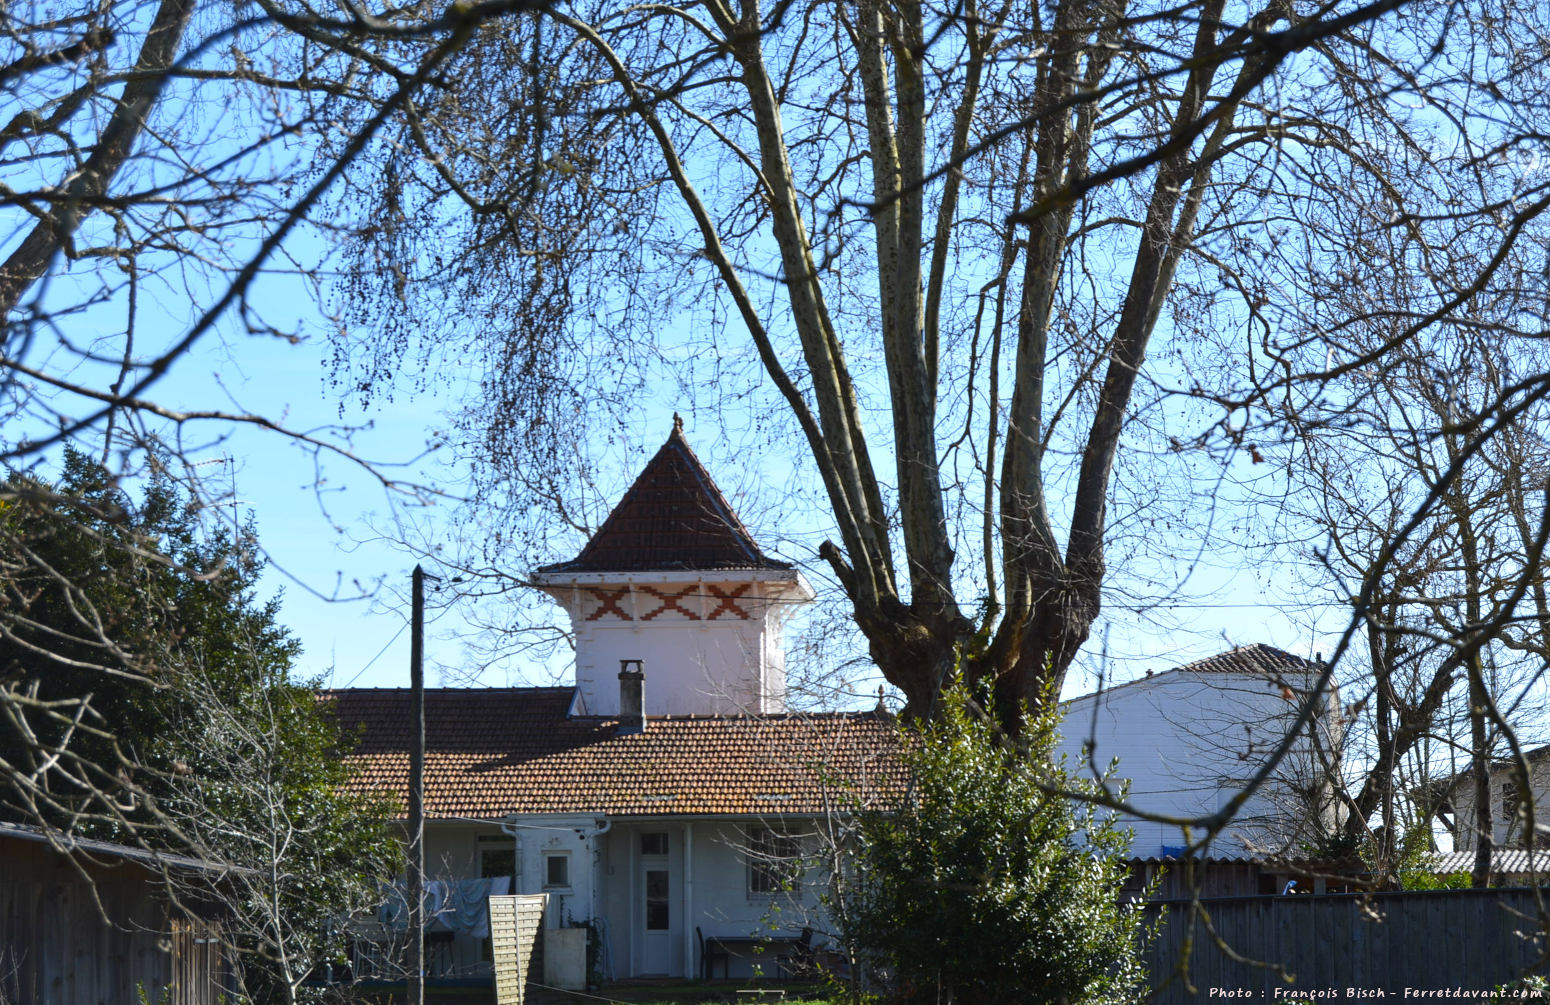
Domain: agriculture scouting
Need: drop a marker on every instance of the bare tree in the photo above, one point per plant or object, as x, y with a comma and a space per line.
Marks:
156, 164
268, 802
975, 223
1418, 473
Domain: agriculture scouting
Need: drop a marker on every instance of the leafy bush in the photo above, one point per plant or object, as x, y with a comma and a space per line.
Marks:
985, 887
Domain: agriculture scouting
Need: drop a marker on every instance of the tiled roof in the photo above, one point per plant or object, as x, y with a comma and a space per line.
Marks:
494, 751
1255, 659
1508, 860
673, 517
1258, 659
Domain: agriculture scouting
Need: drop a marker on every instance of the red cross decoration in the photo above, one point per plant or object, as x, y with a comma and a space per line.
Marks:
610, 604
670, 602
727, 602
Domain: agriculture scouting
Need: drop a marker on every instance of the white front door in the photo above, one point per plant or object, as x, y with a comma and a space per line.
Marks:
657, 893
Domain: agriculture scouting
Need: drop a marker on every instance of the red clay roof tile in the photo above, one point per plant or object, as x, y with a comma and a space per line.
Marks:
673, 517
490, 752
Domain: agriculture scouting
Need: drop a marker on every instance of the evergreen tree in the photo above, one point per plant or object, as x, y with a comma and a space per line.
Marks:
148, 698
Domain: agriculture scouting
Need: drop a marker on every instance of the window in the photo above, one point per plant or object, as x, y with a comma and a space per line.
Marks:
653, 843
1512, 805
774, 862
497, 856
657, 901
495, 862
556, 871
1510, 800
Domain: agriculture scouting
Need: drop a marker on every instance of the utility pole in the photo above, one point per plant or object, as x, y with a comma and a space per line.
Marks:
417, 791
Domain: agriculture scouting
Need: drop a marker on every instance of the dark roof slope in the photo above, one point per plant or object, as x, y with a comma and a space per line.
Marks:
71, 844
1260, 660
490, 752
1255, 659
673, 517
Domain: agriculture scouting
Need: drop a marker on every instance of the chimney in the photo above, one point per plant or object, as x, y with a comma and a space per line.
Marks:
632, 697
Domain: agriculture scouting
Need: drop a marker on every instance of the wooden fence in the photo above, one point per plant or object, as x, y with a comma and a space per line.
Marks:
515, 924
1348, 946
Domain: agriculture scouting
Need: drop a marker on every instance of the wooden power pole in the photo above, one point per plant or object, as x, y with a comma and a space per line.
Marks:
417, 792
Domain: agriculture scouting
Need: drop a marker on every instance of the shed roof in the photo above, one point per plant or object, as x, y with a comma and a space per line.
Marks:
673, 517
73, 844
497, 751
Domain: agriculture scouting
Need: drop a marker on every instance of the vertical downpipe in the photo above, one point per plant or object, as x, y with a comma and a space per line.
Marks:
686, 929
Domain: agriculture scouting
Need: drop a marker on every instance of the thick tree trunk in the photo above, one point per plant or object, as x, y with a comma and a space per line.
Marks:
1480, 773
911, 615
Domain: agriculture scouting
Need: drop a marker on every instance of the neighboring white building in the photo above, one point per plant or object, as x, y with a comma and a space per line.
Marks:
1187, 740
666, 799
1509, 819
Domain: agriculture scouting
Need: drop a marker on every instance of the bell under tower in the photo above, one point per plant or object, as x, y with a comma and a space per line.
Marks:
674, 579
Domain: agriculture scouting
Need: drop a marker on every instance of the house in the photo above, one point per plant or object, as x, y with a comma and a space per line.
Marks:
91, 921
667, 801
1189, 739
1453, 802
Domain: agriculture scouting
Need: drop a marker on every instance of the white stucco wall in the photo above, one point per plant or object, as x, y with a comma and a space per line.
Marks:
452, 852
709, 892
700, 653
708, 889
1187, 742
1507, 830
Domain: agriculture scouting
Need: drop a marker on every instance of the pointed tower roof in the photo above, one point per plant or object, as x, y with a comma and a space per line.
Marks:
673, 517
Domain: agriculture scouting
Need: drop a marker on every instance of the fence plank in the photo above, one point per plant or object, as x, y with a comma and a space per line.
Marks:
1473, 939
515, 923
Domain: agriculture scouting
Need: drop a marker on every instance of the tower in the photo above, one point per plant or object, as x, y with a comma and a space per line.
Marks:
674, 579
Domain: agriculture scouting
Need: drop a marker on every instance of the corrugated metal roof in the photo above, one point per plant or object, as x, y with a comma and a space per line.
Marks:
673, 517
1344, 866
490, 752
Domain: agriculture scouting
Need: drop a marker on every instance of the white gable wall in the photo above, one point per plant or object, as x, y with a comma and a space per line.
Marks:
1507, 828
1187, 743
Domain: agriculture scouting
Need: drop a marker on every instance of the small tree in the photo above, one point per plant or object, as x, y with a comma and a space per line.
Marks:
269, 798
986, 885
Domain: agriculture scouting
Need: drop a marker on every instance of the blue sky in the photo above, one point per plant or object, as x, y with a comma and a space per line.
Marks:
329, 530
345, 583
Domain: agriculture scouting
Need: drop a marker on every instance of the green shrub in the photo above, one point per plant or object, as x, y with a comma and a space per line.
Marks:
985, 887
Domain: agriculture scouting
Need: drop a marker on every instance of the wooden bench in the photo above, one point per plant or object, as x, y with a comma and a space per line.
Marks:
777, 949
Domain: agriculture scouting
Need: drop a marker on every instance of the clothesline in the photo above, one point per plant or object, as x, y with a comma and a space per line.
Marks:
459, 905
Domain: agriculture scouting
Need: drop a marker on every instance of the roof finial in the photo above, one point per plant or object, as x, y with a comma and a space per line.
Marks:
678, 423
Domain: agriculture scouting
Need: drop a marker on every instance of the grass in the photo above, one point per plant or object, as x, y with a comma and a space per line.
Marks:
700, 993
